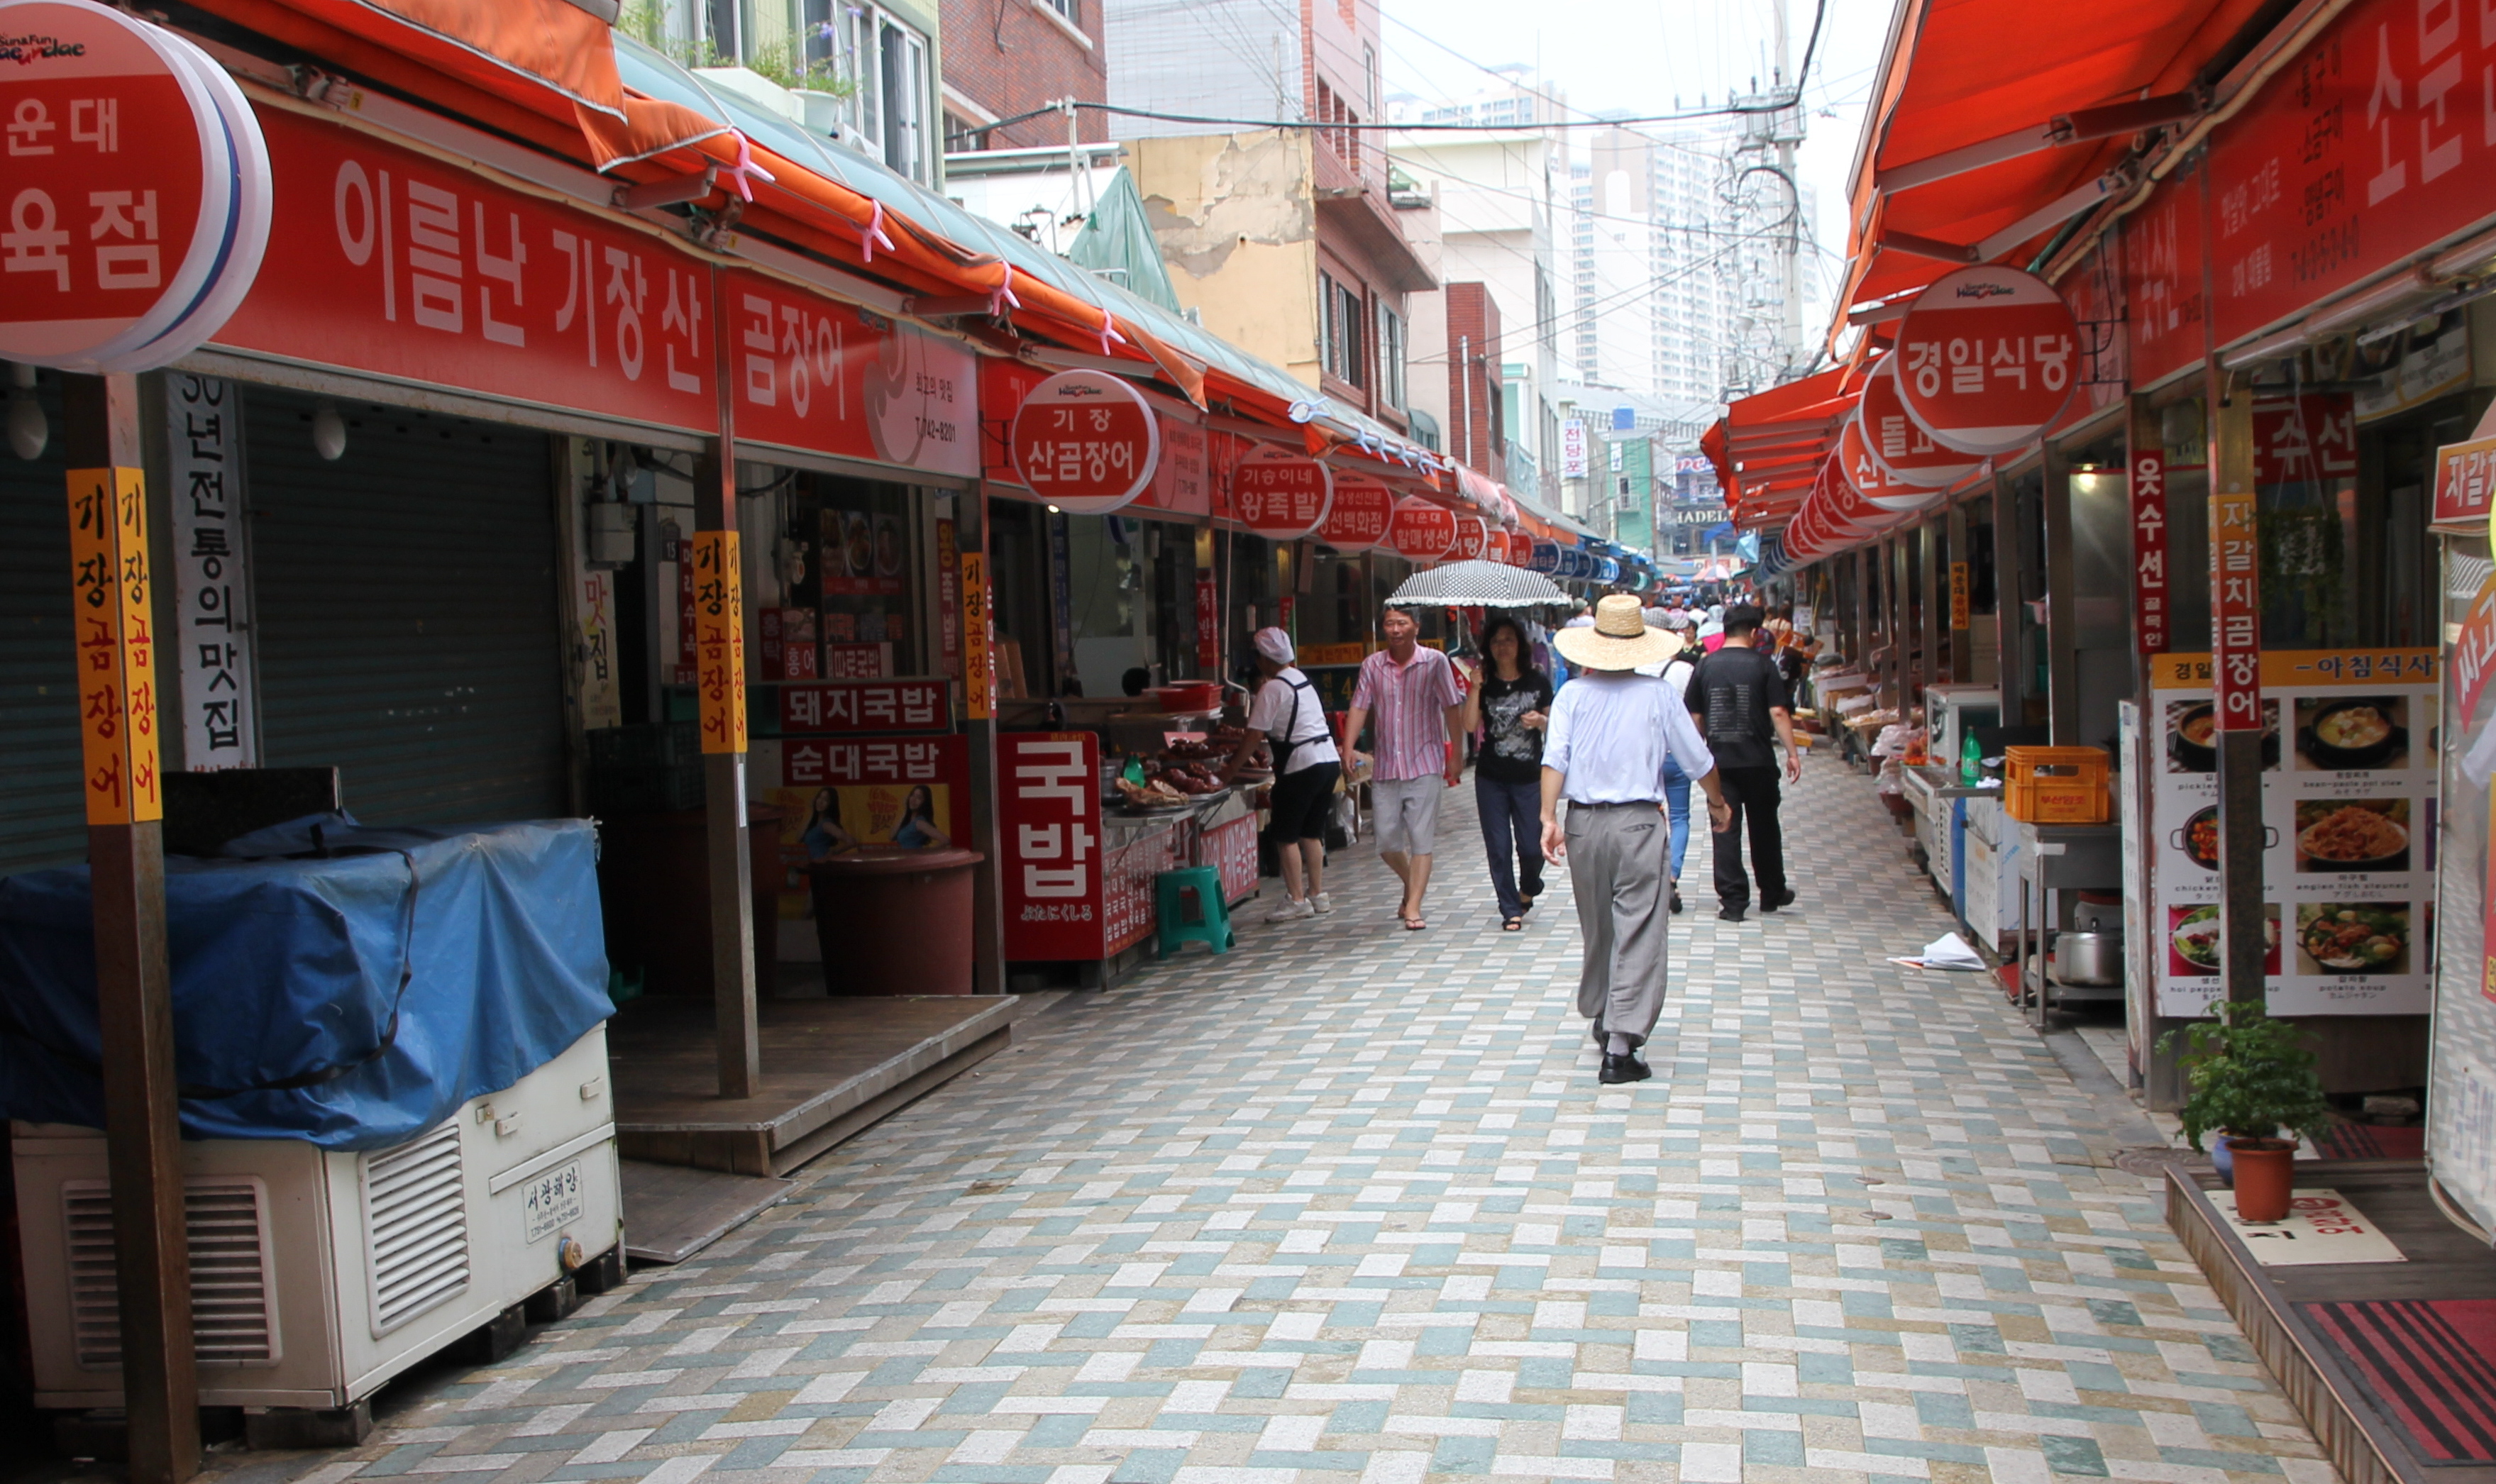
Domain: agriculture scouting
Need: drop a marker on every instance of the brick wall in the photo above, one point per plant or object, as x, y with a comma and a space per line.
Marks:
1012, 56
1472, 331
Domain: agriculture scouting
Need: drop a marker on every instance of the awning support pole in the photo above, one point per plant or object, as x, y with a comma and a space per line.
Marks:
729, 859
133, 983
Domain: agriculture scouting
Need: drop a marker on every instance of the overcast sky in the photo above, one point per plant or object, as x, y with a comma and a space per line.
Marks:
1639, 55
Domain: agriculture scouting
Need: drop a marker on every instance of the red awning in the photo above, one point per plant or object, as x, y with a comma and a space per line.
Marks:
1999, 77
498, 45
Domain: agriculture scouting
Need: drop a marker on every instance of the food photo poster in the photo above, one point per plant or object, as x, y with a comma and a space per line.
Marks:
2349, 790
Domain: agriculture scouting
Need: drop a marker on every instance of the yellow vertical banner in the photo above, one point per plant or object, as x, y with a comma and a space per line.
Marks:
116, 645
978, 666
719, 641
1958, 595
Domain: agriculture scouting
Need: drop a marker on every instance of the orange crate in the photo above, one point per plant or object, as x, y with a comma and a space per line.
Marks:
2057, 785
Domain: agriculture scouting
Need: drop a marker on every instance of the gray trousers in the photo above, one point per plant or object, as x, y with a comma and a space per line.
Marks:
1616, 871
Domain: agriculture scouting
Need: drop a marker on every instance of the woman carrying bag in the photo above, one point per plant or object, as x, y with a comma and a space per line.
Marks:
1509, 708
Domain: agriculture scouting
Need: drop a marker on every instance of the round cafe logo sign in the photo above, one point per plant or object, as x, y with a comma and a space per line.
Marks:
135, 200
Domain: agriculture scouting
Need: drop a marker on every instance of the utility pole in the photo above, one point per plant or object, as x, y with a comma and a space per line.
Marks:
1789, 135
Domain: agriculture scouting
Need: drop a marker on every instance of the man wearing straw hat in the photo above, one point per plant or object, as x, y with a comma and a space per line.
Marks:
1612, 734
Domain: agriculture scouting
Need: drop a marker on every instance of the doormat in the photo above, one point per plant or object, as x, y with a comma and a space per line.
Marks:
2321, 1228
2371, 1141
2431, 1365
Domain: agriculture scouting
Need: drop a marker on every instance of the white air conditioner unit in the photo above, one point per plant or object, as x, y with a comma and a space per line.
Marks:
316, 1275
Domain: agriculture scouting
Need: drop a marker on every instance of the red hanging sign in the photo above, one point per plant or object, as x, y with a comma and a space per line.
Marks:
137, 197
1086, 442
2465, 474
1472, 539
1987, 358
1873, 479
2149, 594
1421, 532
1357, 519
1209, 624
1281, 495
2235, 612
1898, 442
2304, 439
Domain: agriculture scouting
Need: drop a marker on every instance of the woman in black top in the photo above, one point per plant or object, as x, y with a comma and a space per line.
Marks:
1511, 707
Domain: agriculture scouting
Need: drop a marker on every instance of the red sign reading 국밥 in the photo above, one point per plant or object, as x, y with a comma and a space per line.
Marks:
1421, 532
137, 198
1086, 442
1357, 519
1279, 494
1987, 357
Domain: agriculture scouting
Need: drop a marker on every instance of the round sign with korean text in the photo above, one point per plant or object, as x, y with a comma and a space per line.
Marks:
1987, 357
1359, 519
135, 201
1546, 557
1086, 442
1872, 478
1279, 494
1901, 444
1421, 532
1473, 539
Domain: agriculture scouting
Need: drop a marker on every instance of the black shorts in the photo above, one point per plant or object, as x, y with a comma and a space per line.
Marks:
1301, 800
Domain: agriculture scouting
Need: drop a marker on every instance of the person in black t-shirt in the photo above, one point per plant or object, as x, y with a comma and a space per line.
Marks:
1511, 706
1740, 698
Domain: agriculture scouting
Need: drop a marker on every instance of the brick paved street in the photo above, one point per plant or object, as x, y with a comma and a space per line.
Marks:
1348, 1204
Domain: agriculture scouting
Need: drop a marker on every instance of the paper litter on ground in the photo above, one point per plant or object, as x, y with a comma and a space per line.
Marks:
1948, 953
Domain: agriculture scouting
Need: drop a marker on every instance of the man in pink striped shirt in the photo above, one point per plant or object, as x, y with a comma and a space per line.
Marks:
1412, 694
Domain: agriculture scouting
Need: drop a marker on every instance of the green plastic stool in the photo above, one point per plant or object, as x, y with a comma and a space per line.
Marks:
1209, 920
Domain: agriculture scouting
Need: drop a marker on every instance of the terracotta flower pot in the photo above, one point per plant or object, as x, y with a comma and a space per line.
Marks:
2266, 1176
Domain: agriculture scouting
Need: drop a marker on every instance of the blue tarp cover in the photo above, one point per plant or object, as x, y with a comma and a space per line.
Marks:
290, 968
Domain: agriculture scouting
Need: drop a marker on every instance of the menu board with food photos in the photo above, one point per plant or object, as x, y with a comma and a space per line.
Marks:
2348, 793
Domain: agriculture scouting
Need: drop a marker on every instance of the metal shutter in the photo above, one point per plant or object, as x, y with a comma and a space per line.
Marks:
407, 611
234, 1321
42, 822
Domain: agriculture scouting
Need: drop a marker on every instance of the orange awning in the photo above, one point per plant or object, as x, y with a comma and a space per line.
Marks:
1966, 79
493, 44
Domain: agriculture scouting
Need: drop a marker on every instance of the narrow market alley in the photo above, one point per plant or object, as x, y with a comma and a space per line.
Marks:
1349, 1205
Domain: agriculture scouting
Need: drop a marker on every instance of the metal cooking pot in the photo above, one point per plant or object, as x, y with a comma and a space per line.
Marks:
2089, 959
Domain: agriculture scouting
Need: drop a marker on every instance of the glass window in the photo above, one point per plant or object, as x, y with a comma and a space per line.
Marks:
1391, 357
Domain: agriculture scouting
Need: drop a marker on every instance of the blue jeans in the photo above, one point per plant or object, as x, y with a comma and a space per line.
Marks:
1512, 826
1676, 798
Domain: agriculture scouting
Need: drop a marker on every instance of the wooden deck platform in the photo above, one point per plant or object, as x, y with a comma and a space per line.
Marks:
830, 1069
2366, 1442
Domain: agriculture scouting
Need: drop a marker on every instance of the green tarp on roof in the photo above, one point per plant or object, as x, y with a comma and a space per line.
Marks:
1117, 243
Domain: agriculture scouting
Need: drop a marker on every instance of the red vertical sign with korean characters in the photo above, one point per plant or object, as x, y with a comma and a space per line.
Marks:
1209, 624
719, 641
1086, 442
949, 602
1987, 357
2465, 476
2149, 596
392, 263
116, 652
1049, 824
2235, 612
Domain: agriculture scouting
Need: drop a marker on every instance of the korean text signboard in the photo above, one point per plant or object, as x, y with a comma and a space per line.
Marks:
948, 600
135, 202
1572, 448
2162, 271
2367, 147
719, 641
978, 641
1472, 539
1899, 443
2304, 439
2149, 596
1048, 823
1281, 495
392, 262
117, 651
1086, 442
2348, 808
1358, 520
1959, 617
1873, 479
2465, 476
884, 792
1183, 477
2461, 1093
1421, 532
2235, 611
1987, 356
811, 374
865, 705
211, 573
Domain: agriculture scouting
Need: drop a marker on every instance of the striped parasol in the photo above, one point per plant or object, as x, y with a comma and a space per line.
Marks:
1477, 585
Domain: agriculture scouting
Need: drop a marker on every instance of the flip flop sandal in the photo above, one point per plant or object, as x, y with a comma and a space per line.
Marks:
1415, 925
1512, 925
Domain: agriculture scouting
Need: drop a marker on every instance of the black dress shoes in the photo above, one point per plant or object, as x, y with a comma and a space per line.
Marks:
1624, 1068
1785, 898
1729, 914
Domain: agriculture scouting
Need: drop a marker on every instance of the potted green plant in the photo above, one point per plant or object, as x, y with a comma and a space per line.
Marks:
2250, 1080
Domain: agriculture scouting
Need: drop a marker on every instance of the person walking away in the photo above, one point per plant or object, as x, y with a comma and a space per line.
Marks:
1412, 694
1611, 731
1289, 717
1739, 697
1511, 706
1676, 672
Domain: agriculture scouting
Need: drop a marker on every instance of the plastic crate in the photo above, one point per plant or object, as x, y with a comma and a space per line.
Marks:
2057, 785
650, 745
